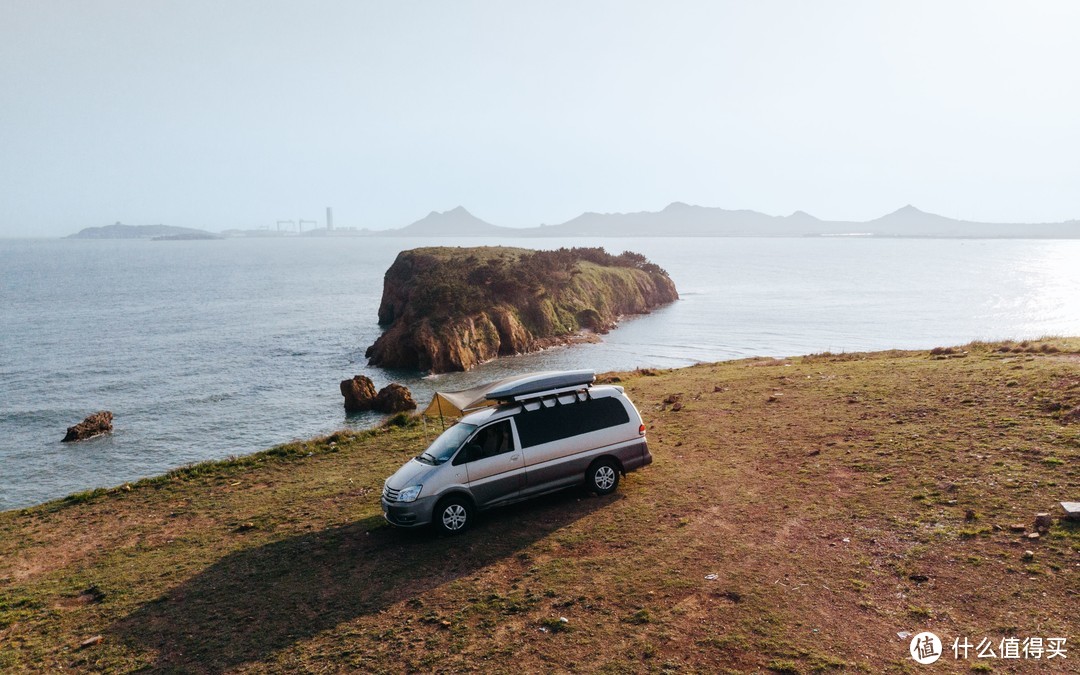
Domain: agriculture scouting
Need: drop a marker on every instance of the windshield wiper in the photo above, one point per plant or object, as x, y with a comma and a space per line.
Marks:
434, 460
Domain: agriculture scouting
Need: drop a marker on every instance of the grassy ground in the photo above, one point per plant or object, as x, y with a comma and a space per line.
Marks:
837, 499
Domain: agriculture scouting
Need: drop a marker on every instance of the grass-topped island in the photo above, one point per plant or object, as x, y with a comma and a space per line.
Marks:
449, 309
800, 513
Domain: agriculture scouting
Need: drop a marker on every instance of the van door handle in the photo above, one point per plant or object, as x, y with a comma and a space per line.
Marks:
513, 458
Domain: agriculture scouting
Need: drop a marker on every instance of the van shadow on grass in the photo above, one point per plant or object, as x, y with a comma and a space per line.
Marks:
254, 602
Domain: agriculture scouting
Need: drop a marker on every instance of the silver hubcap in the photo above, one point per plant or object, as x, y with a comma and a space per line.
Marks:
605, 477
453, 517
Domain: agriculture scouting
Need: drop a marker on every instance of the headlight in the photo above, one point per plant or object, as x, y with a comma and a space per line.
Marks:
409, 494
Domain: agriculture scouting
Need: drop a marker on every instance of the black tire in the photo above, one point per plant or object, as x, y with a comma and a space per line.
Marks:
453, 515
602, 478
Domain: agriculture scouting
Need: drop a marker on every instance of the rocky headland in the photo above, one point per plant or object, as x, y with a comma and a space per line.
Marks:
450, 309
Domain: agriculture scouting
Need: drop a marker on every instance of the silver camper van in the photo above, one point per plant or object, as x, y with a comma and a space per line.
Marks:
544, 432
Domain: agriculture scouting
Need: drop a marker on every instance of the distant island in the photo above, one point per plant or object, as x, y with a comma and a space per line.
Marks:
188, 236
686, 220
458, 222
675, 220
449, 309
160, 232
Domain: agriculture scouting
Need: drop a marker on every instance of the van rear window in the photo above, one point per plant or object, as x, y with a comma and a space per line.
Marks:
569, 419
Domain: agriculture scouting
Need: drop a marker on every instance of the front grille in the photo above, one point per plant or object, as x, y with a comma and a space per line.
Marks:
390, 494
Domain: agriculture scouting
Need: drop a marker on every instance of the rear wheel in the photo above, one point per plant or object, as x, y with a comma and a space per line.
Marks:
454, 515
602, 477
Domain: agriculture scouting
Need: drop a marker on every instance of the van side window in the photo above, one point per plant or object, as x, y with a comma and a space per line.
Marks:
494, 439
569, 419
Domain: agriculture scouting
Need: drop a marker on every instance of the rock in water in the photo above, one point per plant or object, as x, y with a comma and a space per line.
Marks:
94, 425
394, 398
450, 309
359, 393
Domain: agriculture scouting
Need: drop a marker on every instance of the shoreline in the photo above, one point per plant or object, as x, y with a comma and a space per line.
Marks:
298, 447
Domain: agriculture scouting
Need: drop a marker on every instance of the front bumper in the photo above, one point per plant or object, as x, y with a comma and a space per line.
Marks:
408, 514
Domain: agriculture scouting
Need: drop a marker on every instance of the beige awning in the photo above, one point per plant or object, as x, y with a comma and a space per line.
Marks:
455, 403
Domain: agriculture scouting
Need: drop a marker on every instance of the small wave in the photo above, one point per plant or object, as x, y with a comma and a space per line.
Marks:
32, 417
288, 353
211, 398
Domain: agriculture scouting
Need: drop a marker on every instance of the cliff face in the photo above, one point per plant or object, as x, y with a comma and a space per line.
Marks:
450, 309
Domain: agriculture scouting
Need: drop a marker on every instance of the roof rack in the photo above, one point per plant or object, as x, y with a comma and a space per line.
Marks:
552, 395
542, 385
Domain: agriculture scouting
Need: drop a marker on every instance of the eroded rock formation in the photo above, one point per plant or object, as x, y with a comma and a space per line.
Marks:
394, 398
360, 395
449, 309
94, 425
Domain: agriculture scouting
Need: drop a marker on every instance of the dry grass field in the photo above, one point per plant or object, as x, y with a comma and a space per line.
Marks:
799, 514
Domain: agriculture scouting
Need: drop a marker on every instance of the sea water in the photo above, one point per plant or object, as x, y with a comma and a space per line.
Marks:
206, 349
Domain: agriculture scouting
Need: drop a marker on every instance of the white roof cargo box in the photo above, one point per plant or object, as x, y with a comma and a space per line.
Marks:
539, 385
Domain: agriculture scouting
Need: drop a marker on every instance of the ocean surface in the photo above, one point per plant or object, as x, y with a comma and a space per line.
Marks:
206, 349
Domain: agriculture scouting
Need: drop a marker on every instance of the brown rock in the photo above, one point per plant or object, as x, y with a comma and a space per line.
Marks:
94, 425
1018, 527
1042, 522
359, 393
90, 642
91, 595
394, 398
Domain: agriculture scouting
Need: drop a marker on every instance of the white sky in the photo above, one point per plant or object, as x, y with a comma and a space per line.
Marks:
239, 113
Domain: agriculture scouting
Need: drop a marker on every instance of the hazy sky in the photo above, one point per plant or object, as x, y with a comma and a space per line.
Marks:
239, 113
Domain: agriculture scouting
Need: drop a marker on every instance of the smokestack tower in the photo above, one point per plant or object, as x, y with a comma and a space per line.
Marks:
329, 219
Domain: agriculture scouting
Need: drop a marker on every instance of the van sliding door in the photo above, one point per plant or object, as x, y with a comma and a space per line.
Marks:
560, 438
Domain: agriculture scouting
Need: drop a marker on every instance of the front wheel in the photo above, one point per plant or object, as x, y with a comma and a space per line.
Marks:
453, 515
602, 477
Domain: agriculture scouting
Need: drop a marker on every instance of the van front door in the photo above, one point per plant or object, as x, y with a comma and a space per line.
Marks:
494, 464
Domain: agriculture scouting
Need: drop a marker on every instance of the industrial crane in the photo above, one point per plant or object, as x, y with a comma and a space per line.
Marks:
297, 224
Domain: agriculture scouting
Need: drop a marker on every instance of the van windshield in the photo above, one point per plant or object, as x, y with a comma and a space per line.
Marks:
447, 444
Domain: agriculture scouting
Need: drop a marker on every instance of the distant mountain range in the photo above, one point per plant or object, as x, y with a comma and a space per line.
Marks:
163, 232
685, 220
675, 220
457, 221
